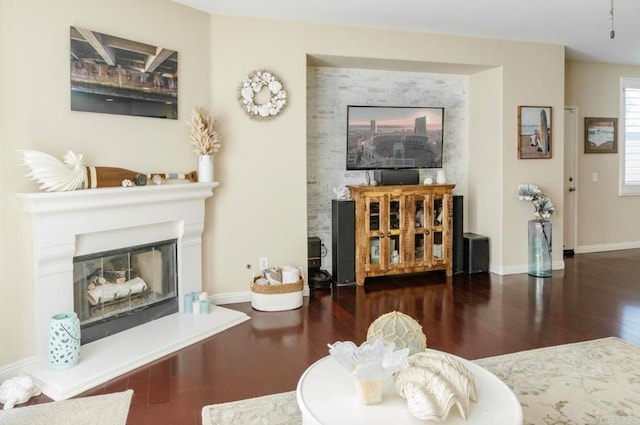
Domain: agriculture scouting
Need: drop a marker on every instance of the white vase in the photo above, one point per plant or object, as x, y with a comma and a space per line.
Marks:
205, 168
440, 177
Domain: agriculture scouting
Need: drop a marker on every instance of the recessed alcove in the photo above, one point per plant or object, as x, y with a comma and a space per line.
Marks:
333, 82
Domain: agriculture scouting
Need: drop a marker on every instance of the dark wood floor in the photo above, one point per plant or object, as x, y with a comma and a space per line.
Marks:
597, 295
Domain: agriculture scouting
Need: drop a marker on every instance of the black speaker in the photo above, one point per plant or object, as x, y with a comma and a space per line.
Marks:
476, 253
389, 177
313, 252
343, 242
457, 239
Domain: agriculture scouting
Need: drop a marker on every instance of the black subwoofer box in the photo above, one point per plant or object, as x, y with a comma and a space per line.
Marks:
390, 177
458, 241
476, 253
343, 242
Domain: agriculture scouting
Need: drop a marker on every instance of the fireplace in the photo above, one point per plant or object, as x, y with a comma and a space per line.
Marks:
130, 228
118, 289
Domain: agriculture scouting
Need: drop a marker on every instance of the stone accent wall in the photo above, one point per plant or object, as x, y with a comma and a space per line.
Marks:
330, 90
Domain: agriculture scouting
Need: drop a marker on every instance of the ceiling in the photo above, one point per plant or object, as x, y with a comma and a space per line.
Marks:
583, 26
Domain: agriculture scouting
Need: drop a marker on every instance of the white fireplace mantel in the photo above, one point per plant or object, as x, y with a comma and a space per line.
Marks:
67, 224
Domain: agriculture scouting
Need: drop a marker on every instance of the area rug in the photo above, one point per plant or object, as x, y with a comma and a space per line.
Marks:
108, 409
593, 382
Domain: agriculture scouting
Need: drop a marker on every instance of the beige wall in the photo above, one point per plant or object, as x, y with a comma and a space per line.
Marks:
35, 111
485, 159
260, 207
278, 229
605, 219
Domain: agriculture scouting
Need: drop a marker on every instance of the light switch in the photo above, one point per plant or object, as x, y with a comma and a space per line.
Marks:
594, 177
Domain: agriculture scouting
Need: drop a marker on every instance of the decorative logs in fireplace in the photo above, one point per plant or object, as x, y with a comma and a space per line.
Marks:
111, 292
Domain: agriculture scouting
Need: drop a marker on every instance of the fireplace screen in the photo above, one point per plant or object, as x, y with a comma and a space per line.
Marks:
120, 289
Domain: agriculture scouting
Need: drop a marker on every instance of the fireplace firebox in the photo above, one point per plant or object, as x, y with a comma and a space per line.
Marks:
118, 289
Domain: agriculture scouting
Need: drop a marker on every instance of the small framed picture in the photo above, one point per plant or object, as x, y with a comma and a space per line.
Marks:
600, 135
534, 132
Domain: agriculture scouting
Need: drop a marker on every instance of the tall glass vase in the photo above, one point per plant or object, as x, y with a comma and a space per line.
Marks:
540, 248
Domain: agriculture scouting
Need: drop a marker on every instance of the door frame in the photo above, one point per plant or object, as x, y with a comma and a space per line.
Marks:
574, 160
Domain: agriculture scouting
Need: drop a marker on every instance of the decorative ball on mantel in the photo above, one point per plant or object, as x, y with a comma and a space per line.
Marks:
401, 329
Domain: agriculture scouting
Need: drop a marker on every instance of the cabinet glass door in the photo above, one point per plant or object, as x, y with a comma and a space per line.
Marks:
437, 226
374, 225
420, 216
393, 231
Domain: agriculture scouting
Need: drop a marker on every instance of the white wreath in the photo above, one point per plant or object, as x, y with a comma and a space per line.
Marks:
254, 83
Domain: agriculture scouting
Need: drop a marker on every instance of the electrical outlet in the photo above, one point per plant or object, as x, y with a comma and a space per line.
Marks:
264, 263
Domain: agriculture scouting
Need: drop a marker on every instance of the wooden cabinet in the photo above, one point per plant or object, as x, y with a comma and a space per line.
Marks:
403, 229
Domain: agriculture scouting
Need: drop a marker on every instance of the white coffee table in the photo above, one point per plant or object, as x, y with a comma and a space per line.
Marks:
326, 396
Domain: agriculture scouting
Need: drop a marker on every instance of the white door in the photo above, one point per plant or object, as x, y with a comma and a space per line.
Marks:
570, 173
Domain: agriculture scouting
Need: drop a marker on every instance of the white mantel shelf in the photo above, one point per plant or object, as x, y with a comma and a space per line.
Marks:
53, 202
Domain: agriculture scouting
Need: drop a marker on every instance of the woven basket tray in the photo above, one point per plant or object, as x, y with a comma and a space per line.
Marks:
284, 288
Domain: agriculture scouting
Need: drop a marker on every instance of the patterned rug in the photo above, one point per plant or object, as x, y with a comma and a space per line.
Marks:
593, 382
108, 409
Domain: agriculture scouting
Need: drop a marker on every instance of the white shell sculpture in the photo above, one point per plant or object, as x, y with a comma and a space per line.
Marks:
17, 390
434, 383
54, 175
370, 364
342, 193
398, 328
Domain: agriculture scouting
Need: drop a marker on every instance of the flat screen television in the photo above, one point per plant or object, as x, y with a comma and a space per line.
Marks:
394, 137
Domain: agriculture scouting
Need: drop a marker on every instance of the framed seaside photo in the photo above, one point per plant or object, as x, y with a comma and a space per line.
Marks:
534, 132
600, 135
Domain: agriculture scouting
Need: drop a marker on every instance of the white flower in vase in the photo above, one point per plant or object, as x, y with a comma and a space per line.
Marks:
542, 205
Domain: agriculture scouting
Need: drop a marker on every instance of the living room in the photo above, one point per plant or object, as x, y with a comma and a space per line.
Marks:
260, 207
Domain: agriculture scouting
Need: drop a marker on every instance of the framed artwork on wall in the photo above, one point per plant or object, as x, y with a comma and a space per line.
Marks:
534, 132
113, 75
600, 135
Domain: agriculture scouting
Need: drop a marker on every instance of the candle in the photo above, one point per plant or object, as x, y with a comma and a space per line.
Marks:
196, 307
204, 307
188, 303
204, 296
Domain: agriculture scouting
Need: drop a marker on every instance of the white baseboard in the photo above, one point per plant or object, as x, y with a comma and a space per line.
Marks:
584, 249
241, 297
16, 368
521, 268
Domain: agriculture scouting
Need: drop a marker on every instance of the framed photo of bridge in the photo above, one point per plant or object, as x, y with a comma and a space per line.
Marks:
113, 75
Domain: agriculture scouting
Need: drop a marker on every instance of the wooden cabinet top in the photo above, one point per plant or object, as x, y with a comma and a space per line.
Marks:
406, 189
